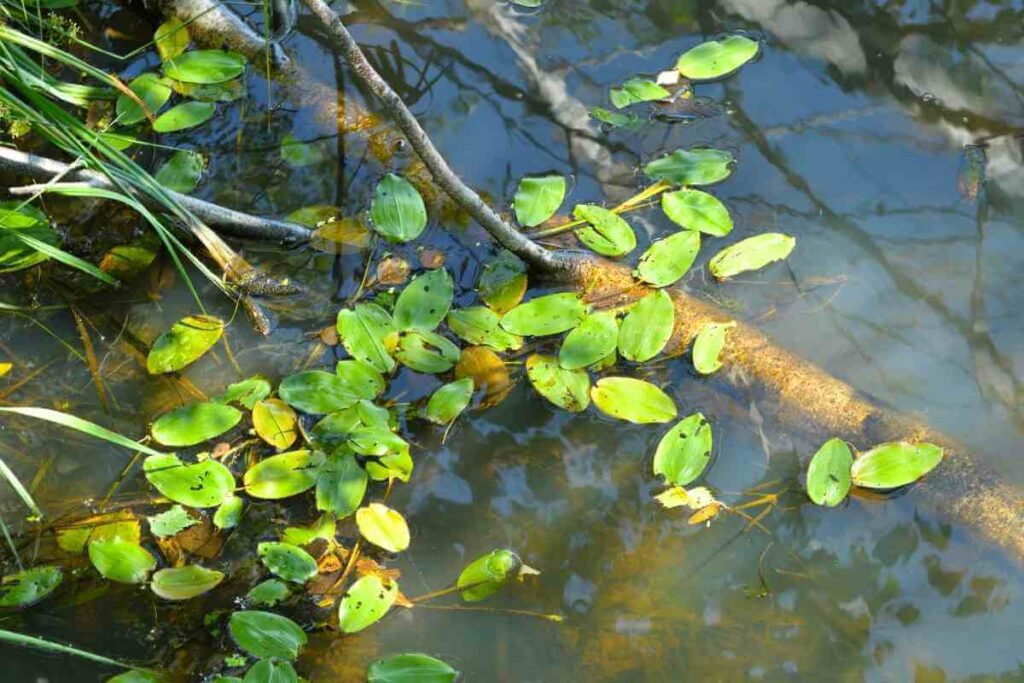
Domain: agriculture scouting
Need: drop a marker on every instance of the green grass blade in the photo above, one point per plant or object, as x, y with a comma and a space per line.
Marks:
77, 423
15, 638
19, 488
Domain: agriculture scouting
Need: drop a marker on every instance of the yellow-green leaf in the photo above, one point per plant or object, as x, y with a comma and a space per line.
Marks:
633, 400
751, 254
383, 527
891, 465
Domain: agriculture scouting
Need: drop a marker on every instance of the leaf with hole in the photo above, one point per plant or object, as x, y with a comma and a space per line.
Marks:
183, 344
828, 476
537, 198
696, 210
607, 233
205, 66
548, 314
567, 389
448, 402
481, 326
425, 301
342, 484
752, 253
120, 560
647, 327
698, 166
287, 561
284, 475
426, 352
707, 346
195, 423
275, 422
716, 59
184, 116
668, 259
895, 464
247, 392
317, 392
383, 527
685, 451
632, 400
364, 332
184, 583
410, 668
29, 586
182, 171
265, 634
148, 87
397, 209
590, 341
203, 484
488, 574
365, 603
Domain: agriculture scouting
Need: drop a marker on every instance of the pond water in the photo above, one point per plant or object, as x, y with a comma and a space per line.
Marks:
849, 132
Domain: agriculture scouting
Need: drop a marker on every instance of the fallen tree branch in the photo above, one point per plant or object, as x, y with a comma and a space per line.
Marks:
230, 222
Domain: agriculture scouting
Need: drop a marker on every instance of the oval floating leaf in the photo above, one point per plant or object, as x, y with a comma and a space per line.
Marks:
284, 475
363, 379
668, 259
171, 38
751, 254
698, 166
647, 327
828, 476
275, 422
425, 301
121, 561
181, 173
383, 527
486, 575
567, 389
151, 89
195, 423
607, 233
287, 561
247, 392
708, 346
183, 583
317, 392
365, 603
684, 451
265, 634
364, 331
186, 341
482, 326
715, 59
229, 513
549, 314
200, 485
538, 198
633, 400
397, 209
267, 593
205, 66
269, 671
502, 282
637, 90
426, 352
342, 484
696, 210
29, 586
448, 402
410, 668
891, 465
591, 340
183, 116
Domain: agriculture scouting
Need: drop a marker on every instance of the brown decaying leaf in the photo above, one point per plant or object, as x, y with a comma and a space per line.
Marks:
393, 270
431, 258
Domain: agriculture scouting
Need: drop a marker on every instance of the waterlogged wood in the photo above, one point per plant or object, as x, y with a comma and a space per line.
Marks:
696, 210
448, 402
183, 344
426, 352
275, 422
383, 527
410, 668
284, 475
366, 603
632, 400
29, 586
486, 575
341, 486
502, 282
185, 583
362, 378
828, 475
397, 209
184, 116
286, 561
895, 464
148, 87
182, 171
205, 66
548, 314
606, 232
752, 253
668, 259
537, 199
317, 392
697, 166
364, 332
481, 326
707, 347
591, 341
195, 423
121, 561
647, 327
637, 90
425, 301
567, 389
265, 634
203, 484
685, 451
716, 59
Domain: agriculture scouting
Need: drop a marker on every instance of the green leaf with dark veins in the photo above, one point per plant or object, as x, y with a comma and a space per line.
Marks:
203, 484
397, 209
342, 484
317, 392
426, 352
364, 332
448, 402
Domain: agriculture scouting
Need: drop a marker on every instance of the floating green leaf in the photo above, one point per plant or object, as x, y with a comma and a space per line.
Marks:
229, 513
502, 282
698, 166
668, 259
410, 668
287, 561
29, 586
448, 402
593, 339
203, 484
228, 91
647, 327
397, 209
364, 332
271, 671
181, 173
708, 346
633, 400
362, 378
715, 59
828, 476
365, 603
183, 116
383, 527
684, 451
186, 341
567, 389
377, 440
486, 575
297, 153
151, 89
334, 429
325, 527
751, 254
614, 119
426, 352
425, 301
275, 422
481, 326
120, 560
247, 392
195, 423
171, 38
284, 475
171, 522
267, 593
26, 221
397, 465
549, 314
606, 232
317, 392
205, 66
265, 634
895, 464
183, 583
696, 210
538, 198
342, 484
637, 90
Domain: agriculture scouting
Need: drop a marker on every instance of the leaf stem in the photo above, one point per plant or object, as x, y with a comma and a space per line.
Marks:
637, 201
